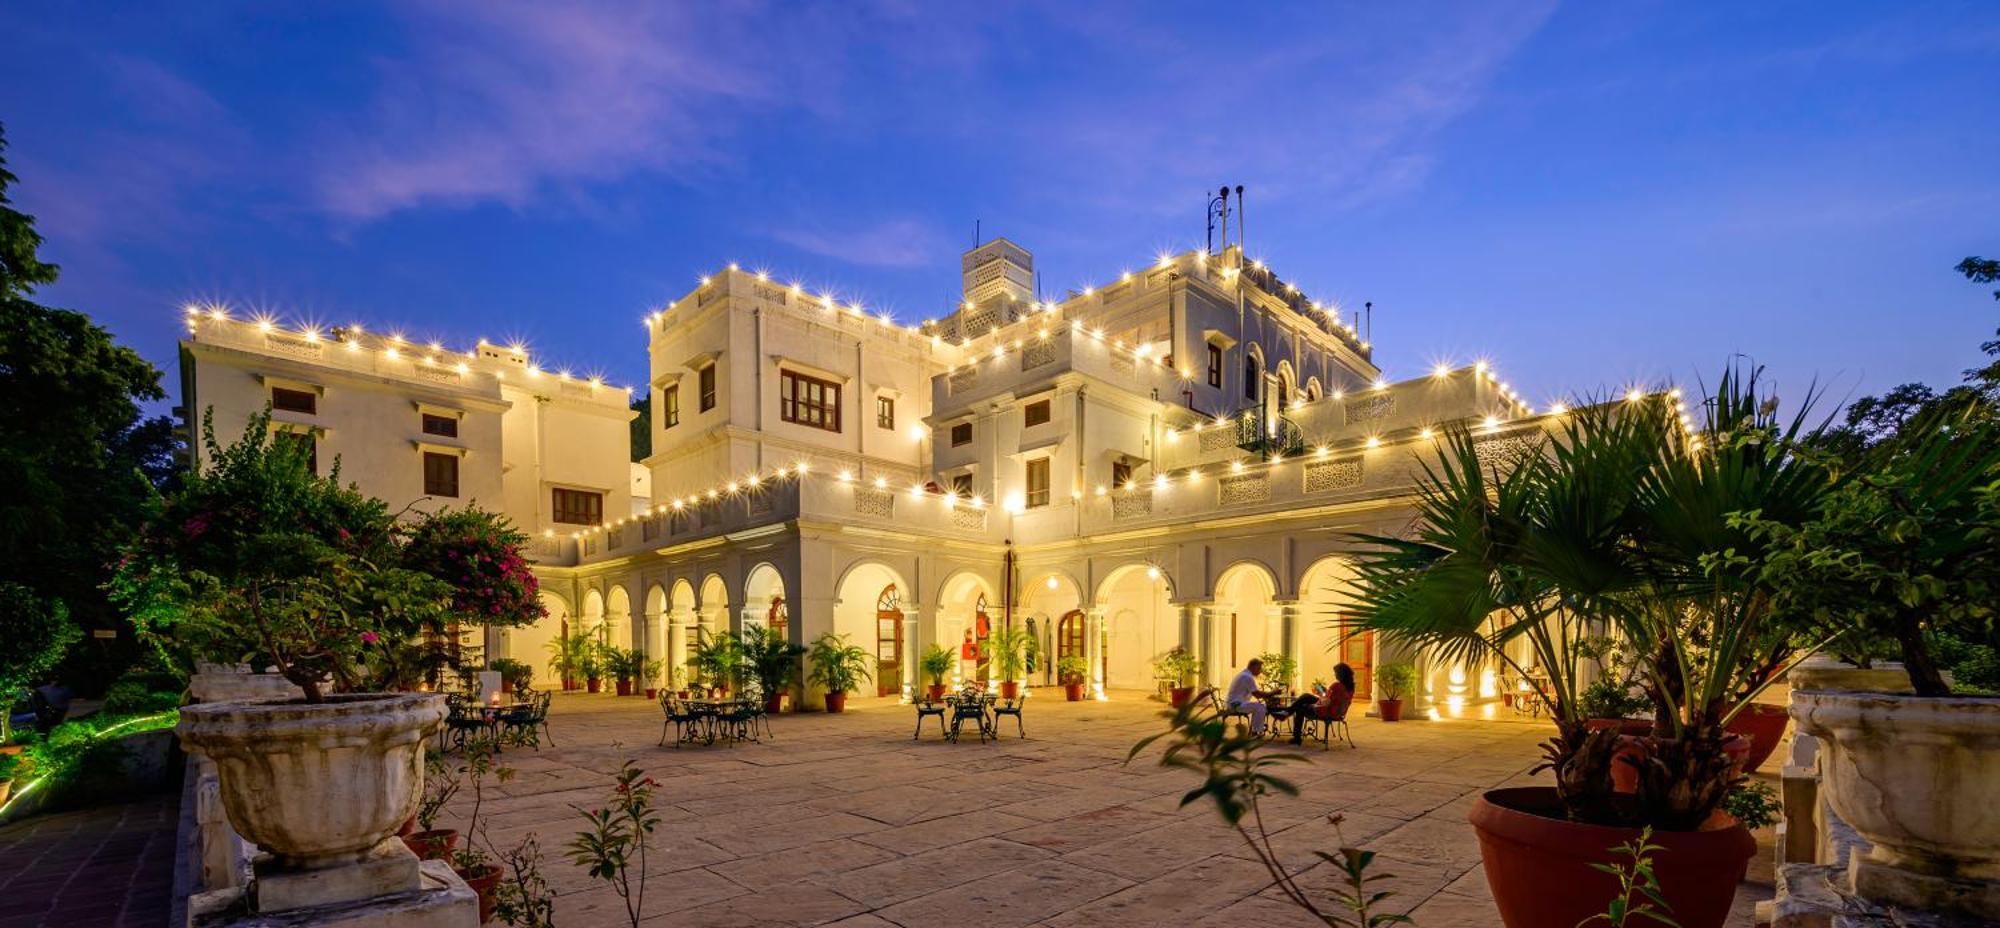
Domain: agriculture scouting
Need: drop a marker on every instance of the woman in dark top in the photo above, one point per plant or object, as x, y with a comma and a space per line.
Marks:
1323, 705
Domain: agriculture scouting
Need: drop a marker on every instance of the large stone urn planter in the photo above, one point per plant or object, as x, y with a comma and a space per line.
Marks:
318, 785
1916, 777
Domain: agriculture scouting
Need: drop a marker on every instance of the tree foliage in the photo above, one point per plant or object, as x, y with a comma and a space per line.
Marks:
79, 461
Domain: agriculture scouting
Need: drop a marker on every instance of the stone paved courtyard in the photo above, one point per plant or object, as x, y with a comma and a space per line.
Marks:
844, 820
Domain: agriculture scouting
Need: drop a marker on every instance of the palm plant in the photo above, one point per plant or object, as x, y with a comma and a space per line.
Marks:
717, 659
1010, 649
573, 655
837, 664
1620, 524
937, 661
773, 660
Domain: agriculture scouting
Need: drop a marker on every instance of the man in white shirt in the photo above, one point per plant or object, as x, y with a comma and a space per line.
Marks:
1245, 696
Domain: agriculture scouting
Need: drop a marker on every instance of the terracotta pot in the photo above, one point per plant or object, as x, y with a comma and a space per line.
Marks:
6, 787
594, 685
12, 748
624, 687
652, 692
1764, 725
409, 827
1391, 710
836, 702
683, 694
774, 703
1073, 692
935, 691
1538, 864
1010, 689
1180, 695
317, 784
436, 844
506, 686
484, 880
1915, 776
569, 683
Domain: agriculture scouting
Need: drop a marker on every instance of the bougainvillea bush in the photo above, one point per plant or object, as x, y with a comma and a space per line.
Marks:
479, 554
257, 559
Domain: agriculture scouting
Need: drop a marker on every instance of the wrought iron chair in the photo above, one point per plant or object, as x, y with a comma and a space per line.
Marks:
1324, 725
969, 708
926, 709
1010, 707
528, 723
464, 720
681, 719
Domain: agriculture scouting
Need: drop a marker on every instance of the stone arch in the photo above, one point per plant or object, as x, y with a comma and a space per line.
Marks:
1313, 390
1327, 638
858, 614
1140, 622
1244, 624
1047, 596
681, 596
1253, 372
618, 617
1287, 384
713, 604
764, 599
963, 598
530, 644
593, 609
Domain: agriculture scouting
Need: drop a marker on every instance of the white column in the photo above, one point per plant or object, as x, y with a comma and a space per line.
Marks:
1096, 627
656, 644
913, 649
1287, 623
679, 623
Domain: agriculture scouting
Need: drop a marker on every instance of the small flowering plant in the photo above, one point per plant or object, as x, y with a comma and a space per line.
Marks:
479, 553
257, 559
616, 841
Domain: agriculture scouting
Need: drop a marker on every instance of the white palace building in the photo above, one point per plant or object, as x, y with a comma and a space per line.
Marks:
1176, 458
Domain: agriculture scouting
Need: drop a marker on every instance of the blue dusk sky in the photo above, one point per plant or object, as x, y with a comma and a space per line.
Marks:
1590, 195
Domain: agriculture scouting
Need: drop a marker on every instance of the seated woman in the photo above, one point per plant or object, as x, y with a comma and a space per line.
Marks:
1326, 704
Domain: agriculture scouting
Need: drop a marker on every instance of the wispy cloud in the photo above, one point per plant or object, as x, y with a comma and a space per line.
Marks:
892, 243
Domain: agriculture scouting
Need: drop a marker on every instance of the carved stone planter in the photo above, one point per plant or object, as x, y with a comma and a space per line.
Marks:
1916, 777
317, 785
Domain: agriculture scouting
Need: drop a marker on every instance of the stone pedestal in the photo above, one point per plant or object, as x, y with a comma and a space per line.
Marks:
439, 900
387, 869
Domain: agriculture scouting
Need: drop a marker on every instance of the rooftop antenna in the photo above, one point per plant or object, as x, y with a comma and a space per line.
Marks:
1368, 322
1240, 243
976, 237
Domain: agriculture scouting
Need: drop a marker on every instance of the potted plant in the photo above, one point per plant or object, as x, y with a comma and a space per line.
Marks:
593, 666
623, 665
1280, 669
1010, 650
1903, 551
515, 676
256, 557
1072, 670
677, 680
649, 671
1622, 522
717, 661
471, 863
1392, 680
773, 661
937, 661
837, 666
1181, 669
441, 782
570, 653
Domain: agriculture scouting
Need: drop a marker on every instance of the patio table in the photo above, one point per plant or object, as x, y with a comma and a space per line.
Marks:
975, 706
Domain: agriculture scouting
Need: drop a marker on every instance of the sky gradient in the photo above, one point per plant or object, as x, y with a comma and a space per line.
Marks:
1589, 195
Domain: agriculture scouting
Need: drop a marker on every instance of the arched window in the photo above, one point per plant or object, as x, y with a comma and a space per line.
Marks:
1253, 374
1070, 636
779, 619
890, 600
888, 641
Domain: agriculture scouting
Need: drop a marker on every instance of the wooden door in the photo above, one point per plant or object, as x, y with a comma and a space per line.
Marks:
889, 643
1070, 636
1357, 651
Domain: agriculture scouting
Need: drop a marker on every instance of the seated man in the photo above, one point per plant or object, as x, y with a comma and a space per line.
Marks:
1326, 704
1245, 697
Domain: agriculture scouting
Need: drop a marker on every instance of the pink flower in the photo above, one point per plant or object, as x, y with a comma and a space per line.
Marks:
370, 637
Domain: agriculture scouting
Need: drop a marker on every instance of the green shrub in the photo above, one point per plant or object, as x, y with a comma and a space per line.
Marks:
131, 697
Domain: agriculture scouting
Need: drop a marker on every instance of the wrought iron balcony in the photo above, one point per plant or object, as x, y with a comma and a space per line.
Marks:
1268, 434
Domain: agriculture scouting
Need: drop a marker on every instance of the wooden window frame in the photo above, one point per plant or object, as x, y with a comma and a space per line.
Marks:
567, 514
796, 406
1253, 375
961, 434
1215, 365
434, 482
304, 402
670, 405
705, 384
437, 424
1121, 474
1036, 413
1038, 496
885, 412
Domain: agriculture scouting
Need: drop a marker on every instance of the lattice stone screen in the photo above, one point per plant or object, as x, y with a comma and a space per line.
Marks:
872, 502
1327, 476
1132, 505
1247, 488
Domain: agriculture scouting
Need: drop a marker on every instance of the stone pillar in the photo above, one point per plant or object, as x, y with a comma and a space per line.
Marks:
1096, 627
1291, 625
656, 644
679, 626
913, 651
